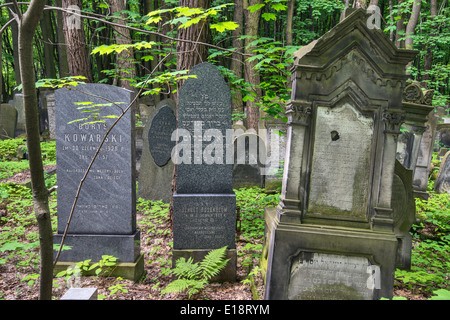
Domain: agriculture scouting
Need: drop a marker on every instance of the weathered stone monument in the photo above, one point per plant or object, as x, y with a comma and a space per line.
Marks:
204, 216
8, 121
18, 104
442, 182
332, 234
249, 155
104, 219
424, 156
156, 171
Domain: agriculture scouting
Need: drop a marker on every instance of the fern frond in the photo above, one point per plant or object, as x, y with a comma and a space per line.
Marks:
186, 269
181, 285
213, 263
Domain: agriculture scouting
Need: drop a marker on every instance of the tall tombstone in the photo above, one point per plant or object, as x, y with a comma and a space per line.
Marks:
332, 234
249, 159
18, 104
442, 182
51, 115
156, 172
204, 203
424, 156
8, 121
417, 104
403, 213
104, 219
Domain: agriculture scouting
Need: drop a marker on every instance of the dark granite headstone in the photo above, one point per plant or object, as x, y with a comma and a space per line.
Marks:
104, 220
204, 216
156, 171
205, 105
159, 136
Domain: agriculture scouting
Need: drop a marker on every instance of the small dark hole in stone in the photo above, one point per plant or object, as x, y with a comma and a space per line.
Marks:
334, 135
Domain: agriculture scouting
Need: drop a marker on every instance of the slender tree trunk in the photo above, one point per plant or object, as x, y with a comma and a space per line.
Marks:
191, 54
62, 52
412, 23
15, 44
429, 56
400, 28
27, 28
236, 65
251, 75
125, 65
77, 55
48, 40
289, 21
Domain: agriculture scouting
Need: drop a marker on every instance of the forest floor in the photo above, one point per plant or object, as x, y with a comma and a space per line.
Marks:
157, 251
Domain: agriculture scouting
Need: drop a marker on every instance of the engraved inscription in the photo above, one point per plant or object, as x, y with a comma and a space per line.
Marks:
323, 276
341, 161
205, 222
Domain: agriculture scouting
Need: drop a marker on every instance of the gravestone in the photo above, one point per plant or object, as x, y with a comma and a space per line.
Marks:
249, 154
403, 213
8, 121
51, 115
156, 172
332, 235
425, 153
104, 219
442, 182
204, 216
18, 104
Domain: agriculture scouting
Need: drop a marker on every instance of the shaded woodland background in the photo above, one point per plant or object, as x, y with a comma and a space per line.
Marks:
269, 31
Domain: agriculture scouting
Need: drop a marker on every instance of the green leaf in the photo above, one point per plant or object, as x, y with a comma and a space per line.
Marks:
278, 6
256, 7
269, 16
223, 26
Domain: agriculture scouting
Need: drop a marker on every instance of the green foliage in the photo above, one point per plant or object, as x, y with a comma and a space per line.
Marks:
435, 213
154, 214
193, 277
102, 268
430, 256
441, 294
251, 203
9, 147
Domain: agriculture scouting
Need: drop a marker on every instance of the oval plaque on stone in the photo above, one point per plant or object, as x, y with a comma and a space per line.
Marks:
159, 135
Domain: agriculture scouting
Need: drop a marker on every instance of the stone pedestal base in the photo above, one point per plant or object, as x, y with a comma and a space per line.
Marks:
127, 270
126, 248
319, 262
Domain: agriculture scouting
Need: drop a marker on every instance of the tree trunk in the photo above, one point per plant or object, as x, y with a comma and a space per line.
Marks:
48, 40
429, 56
124, 62
27, 29
251, 75
400, 29
412, 23
77, 55
15, 37
62, 52
289, 20
236, 65
191, 54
